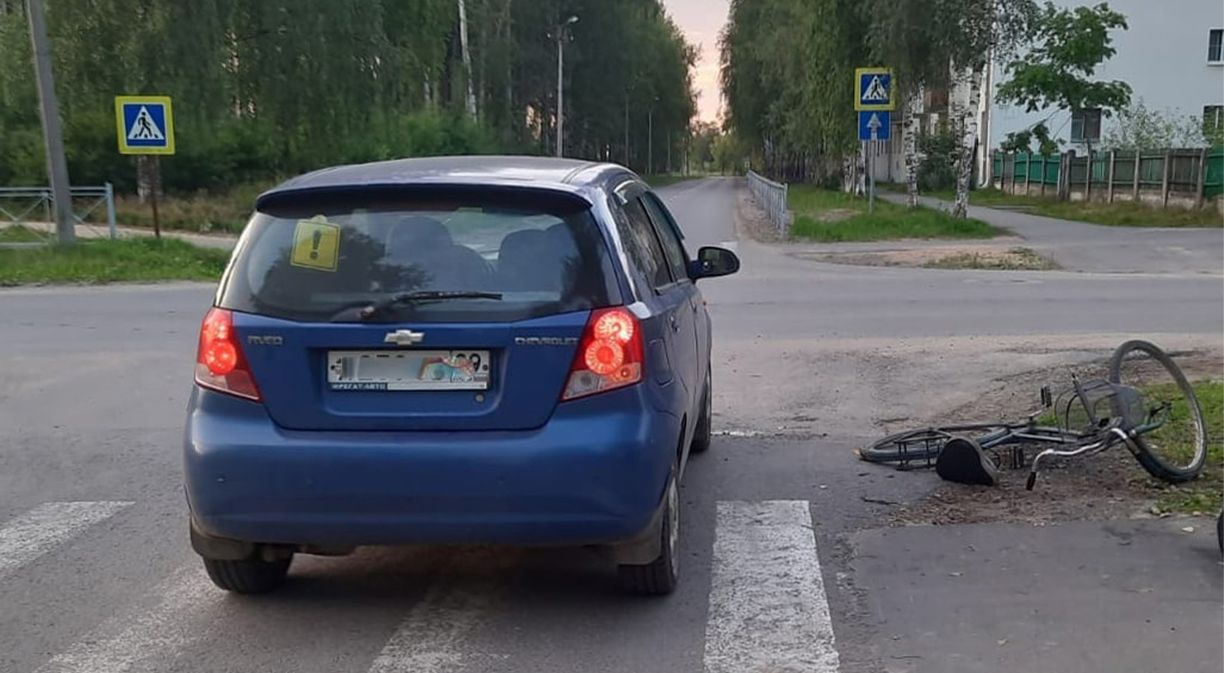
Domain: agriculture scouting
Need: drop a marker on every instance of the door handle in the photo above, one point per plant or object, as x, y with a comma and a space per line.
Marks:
674, 325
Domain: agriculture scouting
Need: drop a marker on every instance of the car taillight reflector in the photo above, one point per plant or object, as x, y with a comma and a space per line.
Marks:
220, 364
610, 355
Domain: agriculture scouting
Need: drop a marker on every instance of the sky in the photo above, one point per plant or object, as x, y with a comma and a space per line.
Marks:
701, 21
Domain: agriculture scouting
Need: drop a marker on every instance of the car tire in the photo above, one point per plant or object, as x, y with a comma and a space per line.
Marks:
659, 577
248, 576
703, 433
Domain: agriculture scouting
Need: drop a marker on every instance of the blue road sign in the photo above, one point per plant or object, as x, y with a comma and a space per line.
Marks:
145, 124
873, 89
875, 125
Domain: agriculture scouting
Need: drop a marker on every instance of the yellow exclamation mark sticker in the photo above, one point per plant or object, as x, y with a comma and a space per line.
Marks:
316, 244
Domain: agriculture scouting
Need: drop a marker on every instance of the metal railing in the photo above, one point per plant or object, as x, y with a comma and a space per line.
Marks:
771, 196
34, 208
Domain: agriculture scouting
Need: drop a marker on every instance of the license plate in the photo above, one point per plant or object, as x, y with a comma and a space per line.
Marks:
408, 370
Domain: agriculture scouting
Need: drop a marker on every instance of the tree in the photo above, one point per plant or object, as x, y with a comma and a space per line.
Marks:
1022, 141
945, 45
1141, 128
786, 66
1057, 72
266, 88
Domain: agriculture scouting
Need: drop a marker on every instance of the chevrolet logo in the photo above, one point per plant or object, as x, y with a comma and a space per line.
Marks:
404, 337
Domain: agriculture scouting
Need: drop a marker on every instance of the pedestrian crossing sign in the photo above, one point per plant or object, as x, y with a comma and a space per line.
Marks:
145, 124
873, 90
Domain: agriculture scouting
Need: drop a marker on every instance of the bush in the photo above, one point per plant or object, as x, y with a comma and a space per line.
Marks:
938, 168
238, 152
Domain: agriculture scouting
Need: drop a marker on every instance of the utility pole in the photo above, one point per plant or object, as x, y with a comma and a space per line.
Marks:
626, 129
561, 83
650, 140
53, 136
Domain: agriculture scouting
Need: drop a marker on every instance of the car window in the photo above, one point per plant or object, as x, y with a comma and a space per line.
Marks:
642, 246
324, 258
668, 232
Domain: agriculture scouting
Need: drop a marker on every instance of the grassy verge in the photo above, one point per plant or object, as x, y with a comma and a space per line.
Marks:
1203, 495
202, 212
106, 261
831, 216
1014, 259
1119, 214
20, 234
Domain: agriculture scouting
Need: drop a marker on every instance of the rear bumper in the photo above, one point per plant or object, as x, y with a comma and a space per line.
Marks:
594, 474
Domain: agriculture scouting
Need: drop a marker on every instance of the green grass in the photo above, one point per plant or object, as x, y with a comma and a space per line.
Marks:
1204, 495
1174, 440
1118, 214
832, 216
1016, 259
20, 234
106, 261
204, 212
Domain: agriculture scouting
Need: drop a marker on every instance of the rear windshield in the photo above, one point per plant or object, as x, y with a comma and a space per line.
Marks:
507, 257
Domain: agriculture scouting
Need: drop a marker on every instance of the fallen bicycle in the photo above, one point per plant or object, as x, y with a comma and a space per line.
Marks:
1146, 405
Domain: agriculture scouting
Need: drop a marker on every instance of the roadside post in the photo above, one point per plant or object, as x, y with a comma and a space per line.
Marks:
145, 125
874, 101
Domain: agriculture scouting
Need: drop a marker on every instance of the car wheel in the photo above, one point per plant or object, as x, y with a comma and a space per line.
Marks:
659, 577
703, 433
248, 576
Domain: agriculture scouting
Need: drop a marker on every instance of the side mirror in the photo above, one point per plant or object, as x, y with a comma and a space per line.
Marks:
713, 262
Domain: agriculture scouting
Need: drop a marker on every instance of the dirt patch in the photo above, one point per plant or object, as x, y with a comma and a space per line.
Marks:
752, 221
1002, 258
1106, 486
836, 215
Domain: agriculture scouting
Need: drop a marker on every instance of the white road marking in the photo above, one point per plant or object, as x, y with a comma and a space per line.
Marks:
431, 638
36, 532
768, 610
125, 640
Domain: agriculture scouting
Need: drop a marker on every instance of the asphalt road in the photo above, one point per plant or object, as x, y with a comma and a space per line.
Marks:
1081, 246
786, 568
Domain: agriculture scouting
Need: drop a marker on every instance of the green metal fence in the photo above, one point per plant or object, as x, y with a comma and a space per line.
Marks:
1104, 174
1213, 181
1031, 168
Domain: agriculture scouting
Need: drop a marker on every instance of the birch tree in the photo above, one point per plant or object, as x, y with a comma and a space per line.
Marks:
467, 59
273, 87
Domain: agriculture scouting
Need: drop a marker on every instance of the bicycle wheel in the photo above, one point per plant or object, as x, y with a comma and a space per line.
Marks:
903, 447
1175, 450
923, 444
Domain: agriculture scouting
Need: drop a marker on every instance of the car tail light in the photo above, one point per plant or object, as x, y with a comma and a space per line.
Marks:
610, 354
220, 364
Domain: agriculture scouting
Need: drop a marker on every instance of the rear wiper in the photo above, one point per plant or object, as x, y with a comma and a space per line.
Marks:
424, 297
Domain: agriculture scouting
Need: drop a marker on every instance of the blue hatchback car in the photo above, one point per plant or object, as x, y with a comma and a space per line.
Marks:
496, 350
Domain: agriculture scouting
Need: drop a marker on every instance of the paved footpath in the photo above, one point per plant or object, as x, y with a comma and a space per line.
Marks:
1082, 246
92, 231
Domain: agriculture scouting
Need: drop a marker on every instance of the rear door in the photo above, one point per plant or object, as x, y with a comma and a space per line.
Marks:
494, 292
678, 259
668, 293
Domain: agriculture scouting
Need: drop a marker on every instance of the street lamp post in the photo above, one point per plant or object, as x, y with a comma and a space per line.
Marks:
561, 83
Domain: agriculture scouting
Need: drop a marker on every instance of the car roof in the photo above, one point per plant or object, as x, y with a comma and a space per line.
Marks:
570, 176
